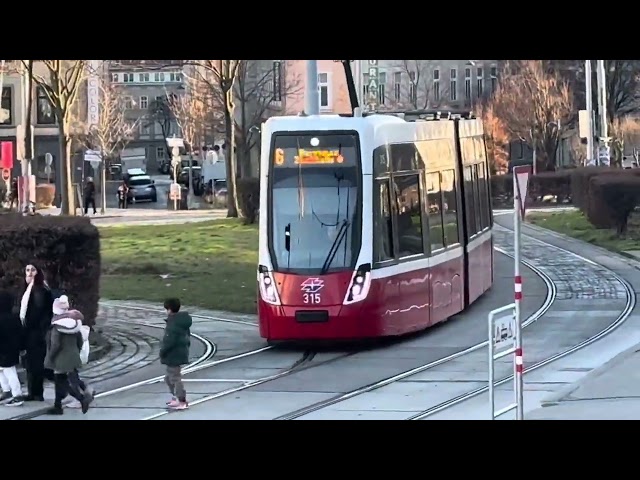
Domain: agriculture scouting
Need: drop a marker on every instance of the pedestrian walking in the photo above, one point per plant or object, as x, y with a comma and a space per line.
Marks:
174, 352
90, 196
10, 346
64, 343
35, 315
123, 195
61, 310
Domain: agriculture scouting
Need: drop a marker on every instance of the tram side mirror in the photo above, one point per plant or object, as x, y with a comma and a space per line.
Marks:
287, 237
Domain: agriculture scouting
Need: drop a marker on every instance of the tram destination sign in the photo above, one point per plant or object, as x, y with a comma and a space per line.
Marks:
304, 157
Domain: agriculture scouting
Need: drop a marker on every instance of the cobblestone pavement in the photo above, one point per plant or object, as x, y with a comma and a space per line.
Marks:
134, 331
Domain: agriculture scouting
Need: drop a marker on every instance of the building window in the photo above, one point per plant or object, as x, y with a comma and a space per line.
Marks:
128, 103
436, 85
324, 90
44, 113
382, 80
144, 102
397, 85
127, 77
160, 98
480, 81
277, 81
467, 83
494, 78
6, 115
453, 93
158, 77
413, 94
145, 128
160, 152
365, 87
114, 78
144, 77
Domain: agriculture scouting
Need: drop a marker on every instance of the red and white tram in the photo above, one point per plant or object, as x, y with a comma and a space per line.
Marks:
371, 226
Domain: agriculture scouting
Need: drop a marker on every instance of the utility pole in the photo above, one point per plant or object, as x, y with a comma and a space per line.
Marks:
312, 102
602, 110
588, 76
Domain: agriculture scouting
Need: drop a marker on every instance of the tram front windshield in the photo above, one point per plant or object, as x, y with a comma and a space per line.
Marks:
314, 202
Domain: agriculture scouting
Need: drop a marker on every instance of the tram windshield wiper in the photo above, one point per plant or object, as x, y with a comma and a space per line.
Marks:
342, 232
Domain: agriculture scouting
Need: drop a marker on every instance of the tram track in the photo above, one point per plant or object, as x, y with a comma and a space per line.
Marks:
630, 303
617, 322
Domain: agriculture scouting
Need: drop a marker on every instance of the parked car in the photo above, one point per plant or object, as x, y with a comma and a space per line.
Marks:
142, 187
198, 186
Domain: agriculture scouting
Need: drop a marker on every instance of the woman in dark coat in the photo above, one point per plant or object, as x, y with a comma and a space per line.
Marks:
36, 311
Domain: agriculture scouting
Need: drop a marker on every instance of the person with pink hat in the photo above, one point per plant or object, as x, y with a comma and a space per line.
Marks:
65, 341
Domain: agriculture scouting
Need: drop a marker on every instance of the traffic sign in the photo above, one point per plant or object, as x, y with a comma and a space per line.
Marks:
6, 174
521, 184
175, 191
175, 151
504, 331
6, 155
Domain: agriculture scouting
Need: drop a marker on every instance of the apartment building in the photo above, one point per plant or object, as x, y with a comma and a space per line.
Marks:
145, 85
426, 84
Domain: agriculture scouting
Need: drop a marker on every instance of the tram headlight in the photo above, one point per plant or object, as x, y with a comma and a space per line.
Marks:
360, 284
267, 287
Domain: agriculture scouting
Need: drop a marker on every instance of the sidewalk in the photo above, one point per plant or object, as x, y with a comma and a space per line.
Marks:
602, 381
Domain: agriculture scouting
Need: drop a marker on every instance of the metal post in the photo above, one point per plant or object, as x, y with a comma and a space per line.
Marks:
175, 181
602, 111
312, 101
518, 298
492, 400
589, 93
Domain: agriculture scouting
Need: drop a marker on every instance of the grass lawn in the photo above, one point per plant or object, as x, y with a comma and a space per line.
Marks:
574, 224
211, 264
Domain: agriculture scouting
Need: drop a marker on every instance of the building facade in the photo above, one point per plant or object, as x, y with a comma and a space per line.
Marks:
145, 85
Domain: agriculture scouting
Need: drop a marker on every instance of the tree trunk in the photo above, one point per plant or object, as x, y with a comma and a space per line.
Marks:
232, 197
64, 170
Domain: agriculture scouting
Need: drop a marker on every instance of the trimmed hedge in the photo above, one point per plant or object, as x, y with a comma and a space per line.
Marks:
67, 249
541, 185
581, 182
612, 200
249, 198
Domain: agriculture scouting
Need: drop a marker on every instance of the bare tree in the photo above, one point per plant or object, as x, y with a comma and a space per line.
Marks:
220, 77
497, 139
61, 83
418, 89
534, 103
259, 92
622, 129
159, 111
190, 112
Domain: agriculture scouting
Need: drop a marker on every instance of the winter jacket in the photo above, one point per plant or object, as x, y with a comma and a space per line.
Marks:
10, 333
64, 342
38, 319
177, 340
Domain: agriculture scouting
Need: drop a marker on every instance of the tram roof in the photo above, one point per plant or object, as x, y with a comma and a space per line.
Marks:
389, 126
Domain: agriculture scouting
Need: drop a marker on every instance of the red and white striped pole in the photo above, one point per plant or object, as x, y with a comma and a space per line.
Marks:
518, 362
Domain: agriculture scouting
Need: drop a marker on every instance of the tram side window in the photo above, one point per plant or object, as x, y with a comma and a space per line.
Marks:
381, 161
449, 207
476, 199
485, 209
407, 189
382, 227
404, 157
434, 211
469, 204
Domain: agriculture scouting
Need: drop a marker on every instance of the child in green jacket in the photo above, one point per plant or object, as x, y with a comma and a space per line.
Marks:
174, 352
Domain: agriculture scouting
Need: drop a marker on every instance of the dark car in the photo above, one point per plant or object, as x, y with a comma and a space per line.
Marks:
142, 187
